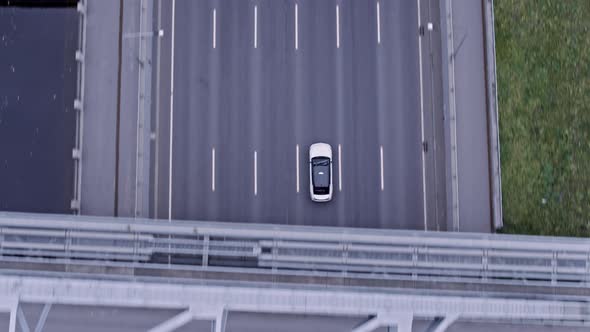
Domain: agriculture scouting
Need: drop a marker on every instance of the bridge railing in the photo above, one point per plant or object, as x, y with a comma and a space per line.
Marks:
79, 104
297, 250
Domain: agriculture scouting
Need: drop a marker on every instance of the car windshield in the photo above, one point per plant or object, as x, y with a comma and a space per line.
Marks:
320, 170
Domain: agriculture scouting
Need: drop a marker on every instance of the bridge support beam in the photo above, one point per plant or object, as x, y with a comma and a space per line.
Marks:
220, 320
401, 322
441, 324
43, 317
193, 313
10, 305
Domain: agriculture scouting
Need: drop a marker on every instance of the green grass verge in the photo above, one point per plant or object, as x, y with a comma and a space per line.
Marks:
543, 63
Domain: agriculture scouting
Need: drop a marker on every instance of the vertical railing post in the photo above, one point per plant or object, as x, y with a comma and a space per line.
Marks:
414, 262
554, 268
67, 243
344, 259
206, 251
274, 252
136, 246
1, 241
484, 262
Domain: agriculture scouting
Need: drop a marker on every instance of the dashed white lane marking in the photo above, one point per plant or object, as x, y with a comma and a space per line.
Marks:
296, 27
378, 24
171, 116
337, 26
339, 167
297, 164
382, 177
214, 28
213, 169
255, 173
255, 26
422, 120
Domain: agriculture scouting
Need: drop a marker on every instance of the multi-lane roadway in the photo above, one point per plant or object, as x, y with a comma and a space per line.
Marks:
245, 87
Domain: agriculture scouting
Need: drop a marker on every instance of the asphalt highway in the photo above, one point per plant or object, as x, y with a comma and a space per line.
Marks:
255, 83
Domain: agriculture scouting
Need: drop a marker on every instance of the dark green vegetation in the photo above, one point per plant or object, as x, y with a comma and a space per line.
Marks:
543, 62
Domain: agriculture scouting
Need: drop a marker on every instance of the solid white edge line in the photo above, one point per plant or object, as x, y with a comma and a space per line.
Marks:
296, 27
297, 164
171, 116
337, 26
255, 173
381, 161
339, 167
214, 28
422, 120
378, 24
213, 169
255, 26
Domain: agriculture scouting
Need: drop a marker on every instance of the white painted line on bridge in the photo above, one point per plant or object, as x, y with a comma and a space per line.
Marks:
255, 26
378, 24
213, 169
171, 116
255, 173
382, 177
214, 28
296, 27
297, 164
337, 26
422, 119
339, 167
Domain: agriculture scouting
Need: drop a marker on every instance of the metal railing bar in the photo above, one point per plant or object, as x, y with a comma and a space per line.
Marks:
70, 256
320, 234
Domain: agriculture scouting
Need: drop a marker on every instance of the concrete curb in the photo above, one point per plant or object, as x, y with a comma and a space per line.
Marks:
492, 110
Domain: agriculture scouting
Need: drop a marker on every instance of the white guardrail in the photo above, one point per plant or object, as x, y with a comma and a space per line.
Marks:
79, 107
297, 250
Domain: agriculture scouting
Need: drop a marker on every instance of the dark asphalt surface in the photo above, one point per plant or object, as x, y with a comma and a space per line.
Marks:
37, 117
240, 99
434, 118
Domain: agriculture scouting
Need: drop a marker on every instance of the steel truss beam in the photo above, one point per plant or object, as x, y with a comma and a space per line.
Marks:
218, 300
403, 323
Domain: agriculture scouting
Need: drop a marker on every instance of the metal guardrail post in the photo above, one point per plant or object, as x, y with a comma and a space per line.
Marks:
414, 261
206, 250
344, 258
484, 263
274, 252
554, 268
492, 111
67, 242
136, 244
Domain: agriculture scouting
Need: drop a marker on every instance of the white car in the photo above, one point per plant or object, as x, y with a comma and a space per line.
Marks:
320, 172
